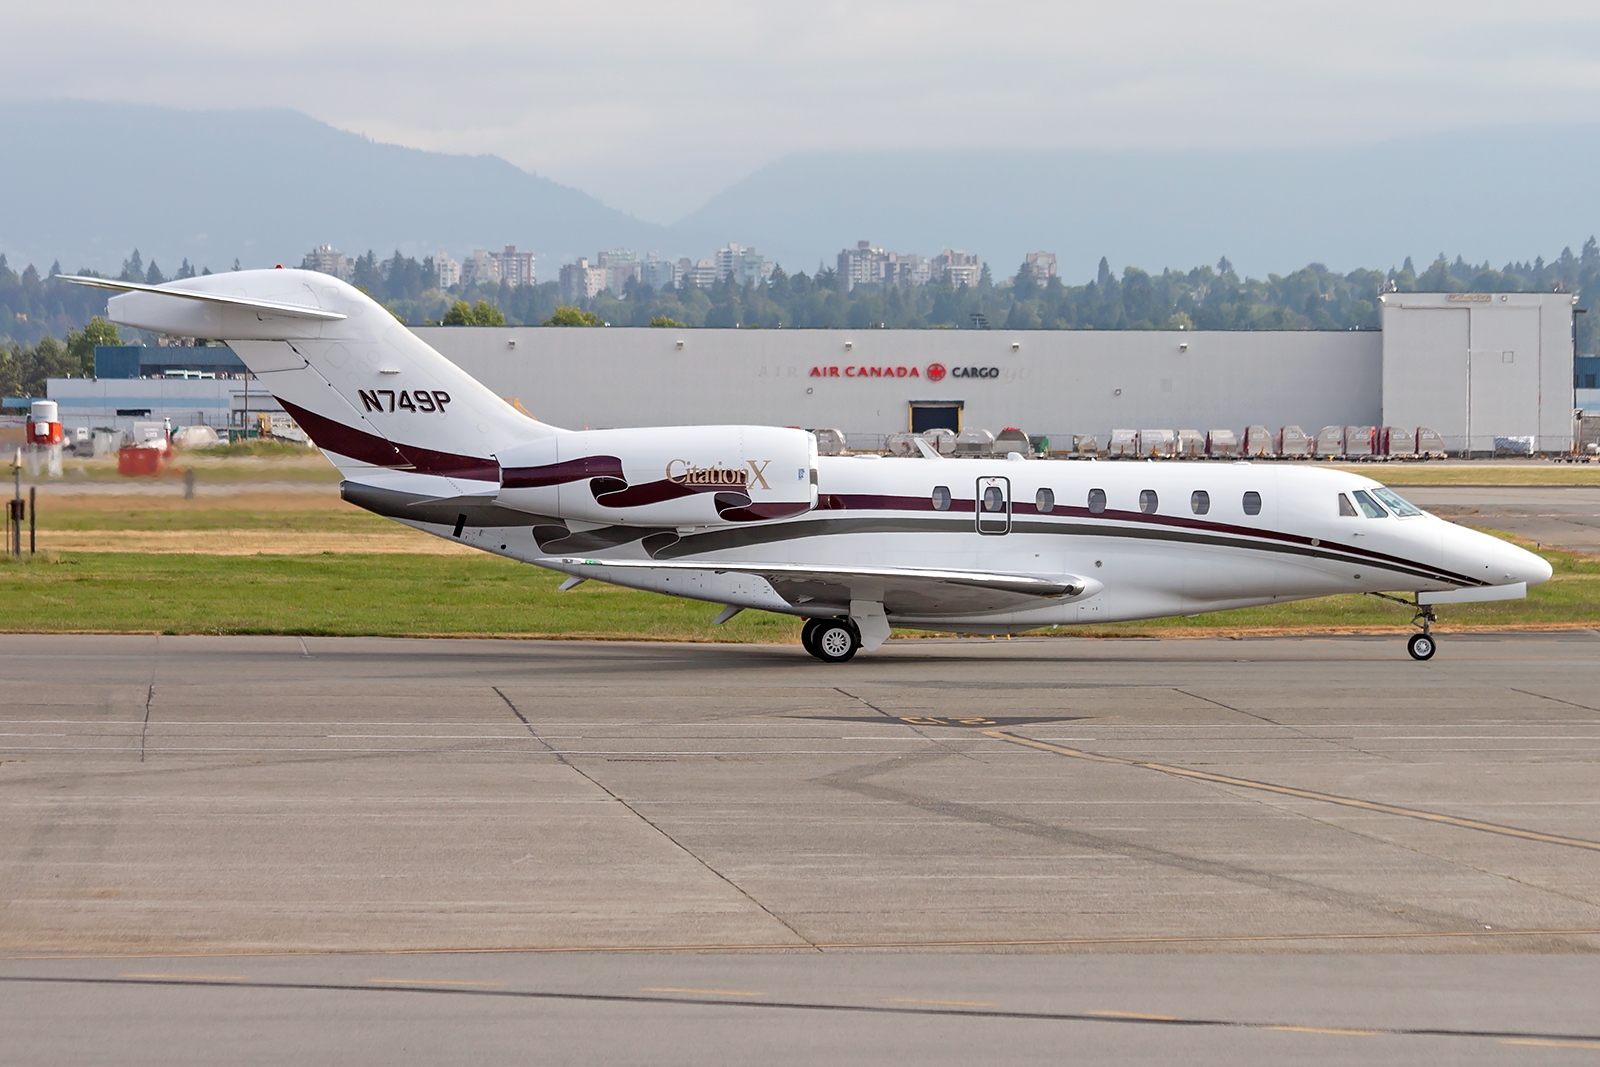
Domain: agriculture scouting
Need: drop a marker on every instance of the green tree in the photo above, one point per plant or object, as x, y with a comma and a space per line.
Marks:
80, 344
662, 320
482, 313
567, 315
486, 314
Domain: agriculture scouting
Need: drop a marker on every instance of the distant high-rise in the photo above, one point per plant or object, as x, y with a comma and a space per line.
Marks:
448, 269
580, 281
659, 273
957, 267
328, 260
621, 265
481, 268
516, 268
702, 274
865, 265
744, 265
1043, 264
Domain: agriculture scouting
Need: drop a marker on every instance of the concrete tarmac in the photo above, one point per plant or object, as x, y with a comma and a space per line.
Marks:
1553, 516
365, 850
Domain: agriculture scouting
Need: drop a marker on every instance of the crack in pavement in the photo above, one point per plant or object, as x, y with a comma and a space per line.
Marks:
735, 886
854, 780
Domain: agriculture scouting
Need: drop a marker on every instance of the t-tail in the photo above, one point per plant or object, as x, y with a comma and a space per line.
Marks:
384, 406
410, 430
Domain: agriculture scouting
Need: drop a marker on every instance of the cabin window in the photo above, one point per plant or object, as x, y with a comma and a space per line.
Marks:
1045, 501
941, 498
1347, 510
1396, 503
1252, 503
1199, 501
1148, 501
994, 500
1369, 505
1097, 501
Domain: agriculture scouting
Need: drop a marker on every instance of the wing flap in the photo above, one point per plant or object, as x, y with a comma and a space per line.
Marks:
901, 590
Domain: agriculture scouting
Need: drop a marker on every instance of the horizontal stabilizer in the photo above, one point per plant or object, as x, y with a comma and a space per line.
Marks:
293, 311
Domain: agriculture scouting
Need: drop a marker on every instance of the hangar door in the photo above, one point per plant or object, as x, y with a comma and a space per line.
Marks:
1425, 370
1503, 380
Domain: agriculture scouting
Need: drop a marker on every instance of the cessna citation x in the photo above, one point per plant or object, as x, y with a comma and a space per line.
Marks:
752, 517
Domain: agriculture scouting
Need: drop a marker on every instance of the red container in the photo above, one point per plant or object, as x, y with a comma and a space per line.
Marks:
139, 461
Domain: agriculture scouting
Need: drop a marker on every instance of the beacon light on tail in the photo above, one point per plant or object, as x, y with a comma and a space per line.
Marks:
751, 516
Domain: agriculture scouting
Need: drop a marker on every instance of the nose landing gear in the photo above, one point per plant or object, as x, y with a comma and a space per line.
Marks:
1421, 646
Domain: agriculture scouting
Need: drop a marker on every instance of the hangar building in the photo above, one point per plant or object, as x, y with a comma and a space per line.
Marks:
1474, 367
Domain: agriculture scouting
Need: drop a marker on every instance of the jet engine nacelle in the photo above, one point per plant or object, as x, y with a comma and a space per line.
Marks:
666, 476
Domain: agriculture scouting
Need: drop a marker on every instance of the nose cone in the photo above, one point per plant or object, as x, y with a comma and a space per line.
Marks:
1497, 562
1527, 567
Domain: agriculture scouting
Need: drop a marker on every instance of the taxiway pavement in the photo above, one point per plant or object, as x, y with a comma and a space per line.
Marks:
1266, 840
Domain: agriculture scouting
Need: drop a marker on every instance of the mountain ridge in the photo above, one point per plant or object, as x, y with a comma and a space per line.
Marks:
91, 181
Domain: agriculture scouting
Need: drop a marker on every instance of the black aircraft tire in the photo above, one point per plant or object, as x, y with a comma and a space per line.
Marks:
808, 634
836, 641
1421, 646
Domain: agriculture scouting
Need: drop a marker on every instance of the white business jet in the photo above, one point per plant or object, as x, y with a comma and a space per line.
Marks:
752, 517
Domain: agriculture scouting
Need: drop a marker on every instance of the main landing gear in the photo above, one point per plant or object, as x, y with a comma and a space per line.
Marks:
831, 640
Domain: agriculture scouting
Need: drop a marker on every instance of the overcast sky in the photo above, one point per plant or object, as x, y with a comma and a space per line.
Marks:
654, 105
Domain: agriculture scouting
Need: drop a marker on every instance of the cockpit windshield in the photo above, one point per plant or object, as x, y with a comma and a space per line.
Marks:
1397, 504
1369, 505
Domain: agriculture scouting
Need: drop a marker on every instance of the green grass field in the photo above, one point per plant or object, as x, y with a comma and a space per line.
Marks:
400, 594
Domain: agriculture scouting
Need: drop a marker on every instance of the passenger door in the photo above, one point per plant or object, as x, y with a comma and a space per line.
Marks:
994, 505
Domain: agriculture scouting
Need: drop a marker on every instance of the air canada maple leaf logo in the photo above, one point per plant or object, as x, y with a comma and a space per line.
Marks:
935, 372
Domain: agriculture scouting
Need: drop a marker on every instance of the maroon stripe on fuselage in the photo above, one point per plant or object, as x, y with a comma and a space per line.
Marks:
760, 512
873, 502
637, 496
876, 502
335, 436
572, 470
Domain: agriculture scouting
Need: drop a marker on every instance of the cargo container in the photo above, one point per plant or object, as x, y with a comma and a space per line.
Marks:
1329, 442
1294, 442
1360, 442
1222, 443
1399, 442
1258, 441
1157, 444
1124, 443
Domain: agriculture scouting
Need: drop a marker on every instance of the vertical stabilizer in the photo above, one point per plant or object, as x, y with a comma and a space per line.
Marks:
367, 390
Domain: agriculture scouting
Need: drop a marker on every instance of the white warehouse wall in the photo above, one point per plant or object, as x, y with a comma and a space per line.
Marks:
1051, 382
1476, 366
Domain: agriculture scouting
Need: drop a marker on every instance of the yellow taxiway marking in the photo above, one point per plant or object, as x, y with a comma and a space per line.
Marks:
1323, 1030
1303, 794
944, 1003
707, 992
431, 981
852, 946
1550, 1043
1136, 1015
191, 977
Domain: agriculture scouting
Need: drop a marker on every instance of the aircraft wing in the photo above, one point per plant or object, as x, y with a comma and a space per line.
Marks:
901, 590
293, 311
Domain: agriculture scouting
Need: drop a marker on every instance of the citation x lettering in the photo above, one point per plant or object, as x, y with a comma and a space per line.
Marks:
986, 546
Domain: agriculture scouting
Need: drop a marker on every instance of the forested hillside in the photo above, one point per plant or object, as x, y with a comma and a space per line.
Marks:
36, 309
